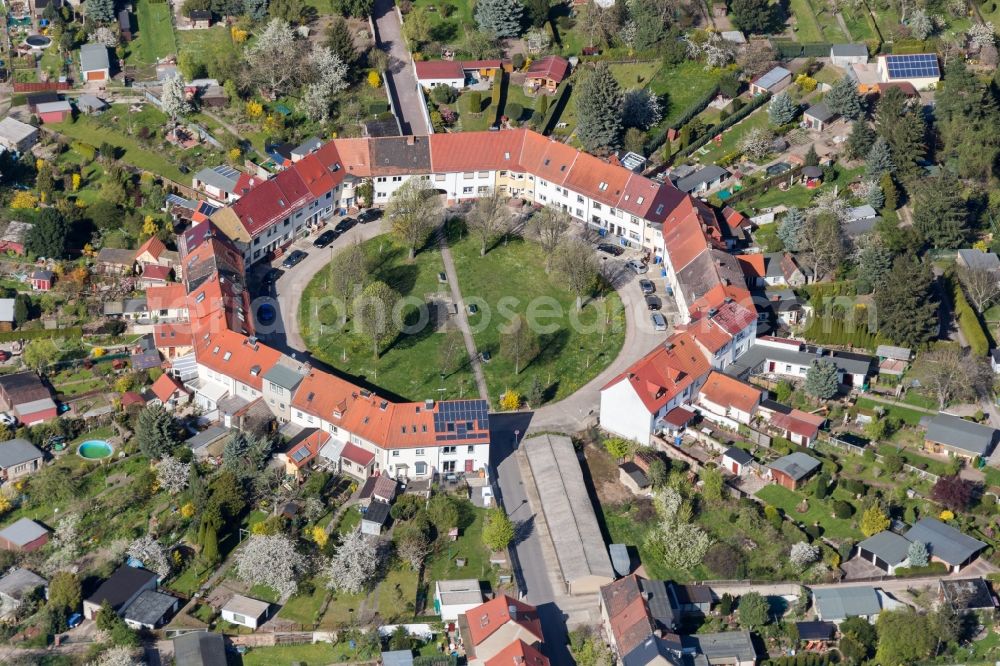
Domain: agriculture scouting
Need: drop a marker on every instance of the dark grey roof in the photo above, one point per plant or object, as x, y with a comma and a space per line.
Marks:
816, 630
724, 646
820, 112
24, 387
709, 174
659, 603
404, 154
652, 649
796, 465
207, 436
377, 512
150, 607
145, 360
285, 377
310, 145
121, 586
702, 273
944, 542
887, 546
855, 364
94, 56
775, 406
849, 50
772, 78
636, 474
974, 258
840, 603
968, 593
92, 102
739, 455
19, 582
691, 594
397, 658
200, 648
223, 177
963, 435
17, 451
379, 128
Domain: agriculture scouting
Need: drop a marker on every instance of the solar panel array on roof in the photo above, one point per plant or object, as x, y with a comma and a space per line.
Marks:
298, 455
456, 418
227, 171
918, 66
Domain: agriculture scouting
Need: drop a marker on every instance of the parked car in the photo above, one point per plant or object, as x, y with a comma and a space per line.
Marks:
659, 323
326, 238
608, 248
652, 302
637, 266
270, 277
294, 258
345, 224
647, 286
370, 215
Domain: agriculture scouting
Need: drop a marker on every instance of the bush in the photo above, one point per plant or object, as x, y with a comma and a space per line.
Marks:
842, 510
444, 94
474, 102
724, 561
375, 108
969, 322
518, 60
932, 569
87, 151
514, 111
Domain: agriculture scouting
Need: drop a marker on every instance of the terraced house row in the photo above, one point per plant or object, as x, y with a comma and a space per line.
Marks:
230, 372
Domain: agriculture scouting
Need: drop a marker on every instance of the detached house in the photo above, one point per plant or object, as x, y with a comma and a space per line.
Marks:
169, 392
120, 590
487, 630
545, 74
947, 433
791, 470
19, 458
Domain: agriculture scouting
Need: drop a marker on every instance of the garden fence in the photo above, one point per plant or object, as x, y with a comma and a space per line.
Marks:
788, 49
719, 128
763, 186
852, 448
660, 137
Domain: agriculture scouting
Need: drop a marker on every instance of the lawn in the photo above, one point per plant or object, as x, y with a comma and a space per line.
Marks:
410, 366
807, 28
575, 346
207, 45
469, 545
635, 75
314, 654
797, 195
911, 457
397, 594
818, 512
624, 526
683, 85
89, 129
713, 151
858, 23
156, 32
908, 416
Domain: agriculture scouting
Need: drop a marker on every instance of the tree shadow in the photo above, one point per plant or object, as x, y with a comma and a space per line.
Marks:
551, 345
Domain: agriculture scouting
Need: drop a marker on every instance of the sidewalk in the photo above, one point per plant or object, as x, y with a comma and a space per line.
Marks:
462, 317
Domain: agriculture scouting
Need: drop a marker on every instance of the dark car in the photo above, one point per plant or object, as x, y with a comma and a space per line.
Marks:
270, 277
325, 238
370, 215
345, 224
652, 302
647, 286
608, 248
294, 258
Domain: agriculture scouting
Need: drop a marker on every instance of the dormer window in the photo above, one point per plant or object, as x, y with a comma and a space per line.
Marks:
659, 209
255, 370
200, 297
227, 356
602, 187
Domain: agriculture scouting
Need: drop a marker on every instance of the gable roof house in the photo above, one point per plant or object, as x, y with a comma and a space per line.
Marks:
95, 65
886, 550
245, 611
121, 589
14, 236
627, 620
27, 397
169, 392
19, 458
791, 470
836, 604
728, 401
547, 73
16, 136
844, 55
818, 117
488, 629
947, 433
945, 543
24, 535
773, 81
519, 653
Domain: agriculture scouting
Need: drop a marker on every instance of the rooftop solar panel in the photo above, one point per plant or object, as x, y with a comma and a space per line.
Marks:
921, 65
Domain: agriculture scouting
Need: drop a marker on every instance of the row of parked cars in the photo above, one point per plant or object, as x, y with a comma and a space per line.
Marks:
295, 257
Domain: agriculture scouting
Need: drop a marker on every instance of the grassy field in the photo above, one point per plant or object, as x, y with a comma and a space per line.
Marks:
469, 546
315, 654
797, 195
569, 354
732, 137
684, 85
410, 366
908, 416
818, 512
90, 130
156, 32
858, 23
203, 45
807, 28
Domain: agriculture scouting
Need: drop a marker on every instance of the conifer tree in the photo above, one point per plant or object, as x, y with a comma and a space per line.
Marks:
598, 111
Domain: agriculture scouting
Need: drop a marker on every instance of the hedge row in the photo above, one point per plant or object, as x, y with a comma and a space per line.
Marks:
39, 333
968, 322
788, 49
556, 107
932, 569
660, 137
757, 102
834, 330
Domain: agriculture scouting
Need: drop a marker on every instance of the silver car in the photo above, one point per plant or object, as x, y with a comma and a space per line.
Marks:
637, 266
659, 323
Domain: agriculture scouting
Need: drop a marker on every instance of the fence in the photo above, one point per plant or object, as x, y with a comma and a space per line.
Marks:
852, 448
719, 128
40, 87
764, 185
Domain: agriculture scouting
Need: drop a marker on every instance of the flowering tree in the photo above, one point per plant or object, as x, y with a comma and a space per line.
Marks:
105, 35
117, 656
173, 99
981, 34
270, 560
681, 543
172, 474
803, 554
355, 565
153, 556
756, 143
641, 108
65, 541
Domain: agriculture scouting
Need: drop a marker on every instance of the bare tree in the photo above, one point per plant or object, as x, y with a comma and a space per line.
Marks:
548, 226
982, 286
489, 218
518, 342
414, 210
374, 315
450, 351
952, 374
826, 246
275, 63
413, 546
576, 261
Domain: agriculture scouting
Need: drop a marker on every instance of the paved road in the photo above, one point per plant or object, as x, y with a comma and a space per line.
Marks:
400, 78
574, 413
288, 290
463, 317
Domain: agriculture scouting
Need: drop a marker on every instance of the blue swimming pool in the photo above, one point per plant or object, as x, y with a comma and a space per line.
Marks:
95, 449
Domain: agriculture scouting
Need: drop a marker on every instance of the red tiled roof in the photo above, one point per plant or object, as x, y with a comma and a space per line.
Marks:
494, 150
233, 355
733, 317
166, 297
173, 335
155, 272
130, 398
484, 620
357, 455
726, 391
518, 653
679, 417
554, 68
794, 423
164, 387
313, 443
154, 246
752, 265
438, 69
665, 372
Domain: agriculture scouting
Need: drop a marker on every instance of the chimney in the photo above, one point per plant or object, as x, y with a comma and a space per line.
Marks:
429, 403
411, 140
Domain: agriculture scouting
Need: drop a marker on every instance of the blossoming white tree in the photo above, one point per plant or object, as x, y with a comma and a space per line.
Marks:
355, 565
172, 474
270, 560
803, 554
151, 553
